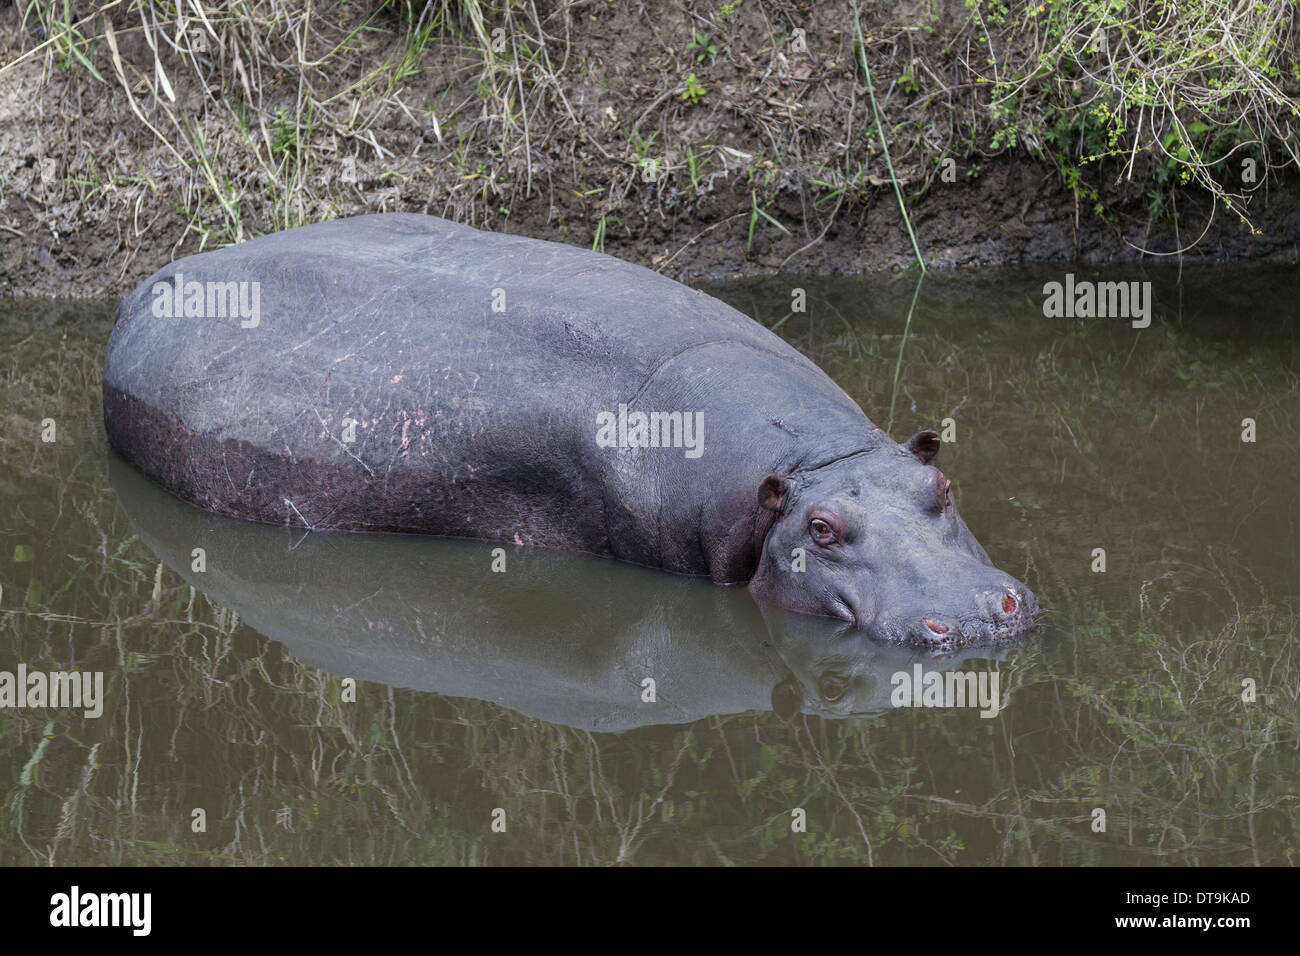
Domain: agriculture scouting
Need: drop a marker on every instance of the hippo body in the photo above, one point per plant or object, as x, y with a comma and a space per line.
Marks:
404, 373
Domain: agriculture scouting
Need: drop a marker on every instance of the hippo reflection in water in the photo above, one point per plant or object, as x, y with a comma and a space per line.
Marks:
564, 638
404, 373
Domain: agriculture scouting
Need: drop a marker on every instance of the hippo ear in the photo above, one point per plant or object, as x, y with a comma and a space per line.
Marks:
786, 698
772, 492
924, 445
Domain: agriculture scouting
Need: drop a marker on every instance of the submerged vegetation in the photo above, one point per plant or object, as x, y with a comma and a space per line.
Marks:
1131, 702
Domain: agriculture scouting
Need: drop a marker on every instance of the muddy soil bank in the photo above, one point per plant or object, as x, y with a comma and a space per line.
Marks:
768, 160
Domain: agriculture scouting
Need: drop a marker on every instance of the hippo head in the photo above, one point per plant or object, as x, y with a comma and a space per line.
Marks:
875, 539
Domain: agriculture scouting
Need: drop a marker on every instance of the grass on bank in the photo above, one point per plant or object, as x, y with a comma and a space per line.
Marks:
282, 112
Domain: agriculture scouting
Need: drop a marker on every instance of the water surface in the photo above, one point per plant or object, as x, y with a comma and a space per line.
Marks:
230, 690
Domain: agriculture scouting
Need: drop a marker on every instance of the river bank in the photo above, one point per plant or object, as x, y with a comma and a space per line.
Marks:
705, 140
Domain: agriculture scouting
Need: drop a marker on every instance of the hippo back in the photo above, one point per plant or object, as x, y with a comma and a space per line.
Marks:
404, 373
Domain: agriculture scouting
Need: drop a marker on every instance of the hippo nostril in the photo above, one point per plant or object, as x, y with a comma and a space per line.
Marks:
1008, 603
935, 626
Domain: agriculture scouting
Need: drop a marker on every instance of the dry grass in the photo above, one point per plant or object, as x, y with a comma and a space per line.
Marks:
255, 116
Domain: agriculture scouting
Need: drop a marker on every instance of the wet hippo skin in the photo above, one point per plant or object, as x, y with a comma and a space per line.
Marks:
403, 373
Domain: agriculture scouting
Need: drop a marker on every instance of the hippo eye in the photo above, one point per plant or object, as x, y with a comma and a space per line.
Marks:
821, 531
942, 497
833, 689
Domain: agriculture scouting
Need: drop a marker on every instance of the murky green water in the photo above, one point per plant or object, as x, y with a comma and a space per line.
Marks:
230, 690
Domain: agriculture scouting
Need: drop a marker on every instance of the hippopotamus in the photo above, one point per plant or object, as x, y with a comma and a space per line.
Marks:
403, 373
